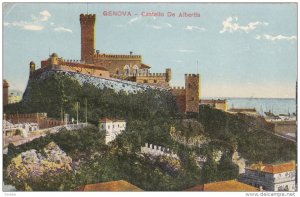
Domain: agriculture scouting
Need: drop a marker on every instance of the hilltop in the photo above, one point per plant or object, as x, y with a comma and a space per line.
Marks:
54, 91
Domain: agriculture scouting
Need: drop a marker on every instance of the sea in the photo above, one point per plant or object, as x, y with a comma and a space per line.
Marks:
274, 105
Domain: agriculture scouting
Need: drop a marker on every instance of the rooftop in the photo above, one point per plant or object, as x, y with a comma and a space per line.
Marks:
275, 168
110, 120
120, 185
231, 185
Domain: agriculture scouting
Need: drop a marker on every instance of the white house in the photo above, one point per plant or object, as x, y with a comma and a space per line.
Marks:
112, 128
280, 177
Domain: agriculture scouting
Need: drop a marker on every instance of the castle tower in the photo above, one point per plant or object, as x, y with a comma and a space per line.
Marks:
54, 59
87, 22
192, 86
168, 74
32, 67
5, 92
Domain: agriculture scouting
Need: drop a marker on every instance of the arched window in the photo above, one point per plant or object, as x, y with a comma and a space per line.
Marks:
126, 69
135, 69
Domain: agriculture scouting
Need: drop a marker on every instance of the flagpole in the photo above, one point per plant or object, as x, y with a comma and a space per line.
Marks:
86, 111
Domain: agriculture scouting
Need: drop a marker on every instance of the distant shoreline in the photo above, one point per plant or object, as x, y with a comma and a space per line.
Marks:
246, 98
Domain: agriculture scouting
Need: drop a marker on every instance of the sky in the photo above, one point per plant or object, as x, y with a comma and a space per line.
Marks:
239, 50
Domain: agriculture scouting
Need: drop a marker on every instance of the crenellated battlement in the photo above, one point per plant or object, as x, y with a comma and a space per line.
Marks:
151, 75
117, 57
87, 17
191, 75
155, 150
177, 88
73, 61
178, 91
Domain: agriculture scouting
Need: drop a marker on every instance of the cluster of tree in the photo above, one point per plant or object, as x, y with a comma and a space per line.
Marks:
252, 141
59, 93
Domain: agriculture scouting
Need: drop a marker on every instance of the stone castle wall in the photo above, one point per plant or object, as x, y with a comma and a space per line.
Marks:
155, 150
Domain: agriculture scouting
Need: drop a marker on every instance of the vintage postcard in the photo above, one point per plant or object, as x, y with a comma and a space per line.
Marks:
149, 97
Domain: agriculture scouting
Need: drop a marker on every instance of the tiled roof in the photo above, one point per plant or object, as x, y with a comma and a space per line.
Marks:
145, 66
105, 120
231, 185
110, 120
120, 185
274, 169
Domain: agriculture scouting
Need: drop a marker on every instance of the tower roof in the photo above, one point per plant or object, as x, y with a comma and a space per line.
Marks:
5, 83
32, 63
54, 55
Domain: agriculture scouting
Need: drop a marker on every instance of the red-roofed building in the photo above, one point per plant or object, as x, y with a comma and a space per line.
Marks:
120, 185
224, 186
276, 177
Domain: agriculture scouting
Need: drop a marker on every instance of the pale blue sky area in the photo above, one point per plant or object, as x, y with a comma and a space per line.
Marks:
243, 50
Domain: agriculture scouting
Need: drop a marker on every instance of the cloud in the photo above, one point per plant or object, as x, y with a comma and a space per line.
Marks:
62, 29
231, 25
32, 27
191, 28
168, 25
25, 25
34, 24
44, 16
273, 38
155, 26
185, 51
133, 20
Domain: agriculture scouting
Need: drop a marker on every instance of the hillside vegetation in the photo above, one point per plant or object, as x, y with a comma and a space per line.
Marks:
150, 115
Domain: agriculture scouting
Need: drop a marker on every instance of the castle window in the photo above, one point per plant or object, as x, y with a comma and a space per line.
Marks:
155, 81
190, 85
145, 81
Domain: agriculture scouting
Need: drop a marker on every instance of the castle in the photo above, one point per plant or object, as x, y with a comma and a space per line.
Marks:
125, 67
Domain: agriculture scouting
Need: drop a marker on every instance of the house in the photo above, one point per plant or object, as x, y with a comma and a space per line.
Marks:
120, 185
277, 177
112, 128
224, 186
